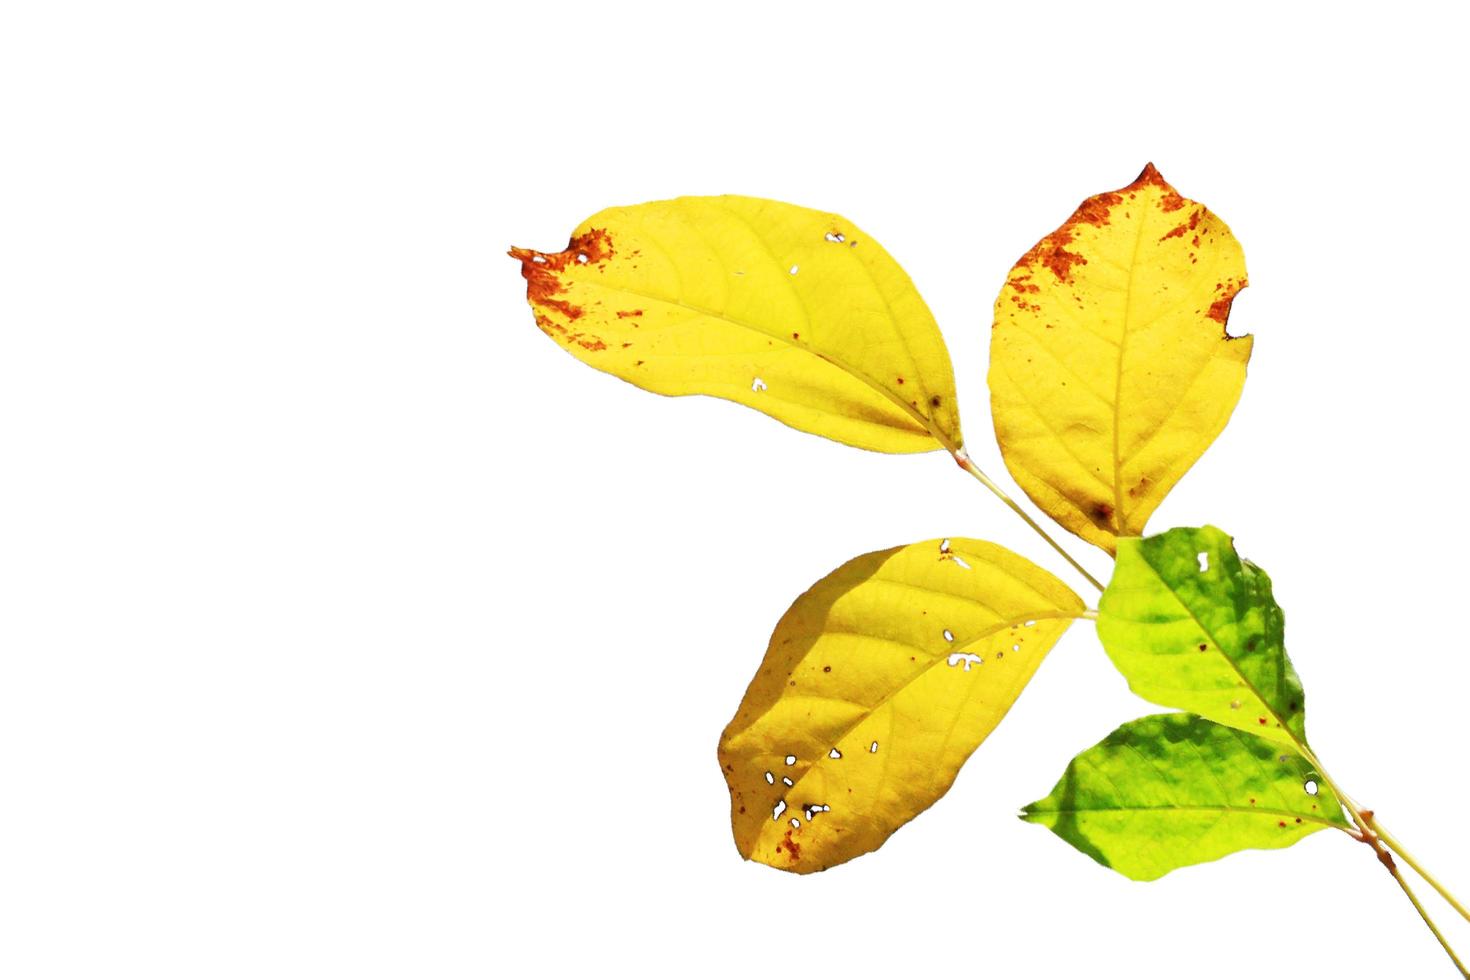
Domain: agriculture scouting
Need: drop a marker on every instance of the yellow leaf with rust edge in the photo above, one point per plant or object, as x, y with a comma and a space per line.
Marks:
794, 312
1111, 370
877, 685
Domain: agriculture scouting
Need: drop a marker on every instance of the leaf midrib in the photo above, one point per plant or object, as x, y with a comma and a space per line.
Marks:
1200, 808
1118, 379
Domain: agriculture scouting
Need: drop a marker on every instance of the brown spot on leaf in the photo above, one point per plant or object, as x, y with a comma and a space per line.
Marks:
792, 847
1150, 177
624, 314
1053, 252
542, 271
1097, 209
1181, 230
1219, 310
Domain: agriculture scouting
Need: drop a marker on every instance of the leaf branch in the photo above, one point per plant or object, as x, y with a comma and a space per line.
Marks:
1370, 832
1418, 907
968, 465
1408, 859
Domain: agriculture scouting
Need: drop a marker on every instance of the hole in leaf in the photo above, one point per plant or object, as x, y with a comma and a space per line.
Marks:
834, 754
791, 760
962, 563
955, 659
787, 781
795, 822
795, 269
582, 258
770, 777
539, 259
757, 385
1310, 787
780, 809
873, 747
1204, 561
948, 637
944, 547
835, 236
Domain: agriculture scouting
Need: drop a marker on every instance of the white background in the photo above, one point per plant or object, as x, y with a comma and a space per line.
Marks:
350, 628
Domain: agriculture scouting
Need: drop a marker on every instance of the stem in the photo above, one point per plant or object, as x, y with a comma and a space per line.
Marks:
1444, 892
1370, 833
1425, 916
968, 465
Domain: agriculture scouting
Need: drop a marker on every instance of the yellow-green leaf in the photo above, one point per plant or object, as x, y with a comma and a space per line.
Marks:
794, 312
1192, 625
877, 685
1166, 791
1111, 370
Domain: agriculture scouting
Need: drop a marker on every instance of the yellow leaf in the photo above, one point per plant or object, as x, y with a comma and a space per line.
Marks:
794, 312
1111, 370
877, 685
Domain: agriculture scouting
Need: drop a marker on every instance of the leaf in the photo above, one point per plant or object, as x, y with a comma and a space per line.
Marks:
877, 685
1110, 368
794, 312
1166, 791
1192, 626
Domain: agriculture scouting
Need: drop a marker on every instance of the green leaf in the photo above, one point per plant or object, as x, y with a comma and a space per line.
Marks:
1192, 626
1167, 791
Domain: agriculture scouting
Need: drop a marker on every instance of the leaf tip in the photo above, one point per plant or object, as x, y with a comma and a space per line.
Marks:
1149, 176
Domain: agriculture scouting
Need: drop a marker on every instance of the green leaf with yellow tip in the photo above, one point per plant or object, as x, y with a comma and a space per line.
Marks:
1171, 790
1193, 626
877, 685
793, 312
